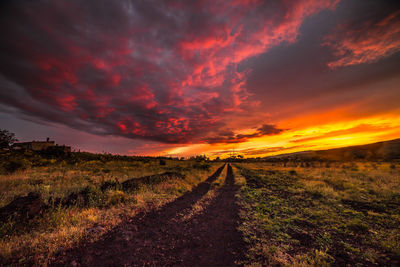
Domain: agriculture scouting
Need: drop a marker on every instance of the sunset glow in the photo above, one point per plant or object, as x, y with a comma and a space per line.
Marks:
182, 78
323, 136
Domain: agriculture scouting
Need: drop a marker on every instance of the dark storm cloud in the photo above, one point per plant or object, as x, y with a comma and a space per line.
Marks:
230, 137
157, 70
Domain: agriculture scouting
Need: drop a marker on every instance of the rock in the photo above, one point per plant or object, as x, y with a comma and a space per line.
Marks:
75, 199
23, 208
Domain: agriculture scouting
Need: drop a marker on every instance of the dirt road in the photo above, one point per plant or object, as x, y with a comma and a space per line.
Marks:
163, 238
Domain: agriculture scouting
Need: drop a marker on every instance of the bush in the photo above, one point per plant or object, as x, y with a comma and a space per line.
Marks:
7, 138
115, 197
94, 195
90, 196
113, 184
14, 165
201, 166
327, 165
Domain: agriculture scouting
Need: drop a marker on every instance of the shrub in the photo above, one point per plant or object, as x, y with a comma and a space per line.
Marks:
113, 184
201, 166
115, 197
7, 139
94, 196
14, 165
327, 165
91, 196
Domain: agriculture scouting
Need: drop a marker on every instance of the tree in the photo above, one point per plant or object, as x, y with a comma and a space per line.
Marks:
7, 139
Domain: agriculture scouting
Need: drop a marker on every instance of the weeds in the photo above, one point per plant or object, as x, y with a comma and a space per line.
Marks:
320, 218
81, 191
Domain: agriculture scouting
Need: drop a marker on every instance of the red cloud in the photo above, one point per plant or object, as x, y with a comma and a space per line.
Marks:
164, 72
67, 103
369, 43
122, 126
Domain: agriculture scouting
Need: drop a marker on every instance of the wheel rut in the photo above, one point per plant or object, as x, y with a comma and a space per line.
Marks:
161, 238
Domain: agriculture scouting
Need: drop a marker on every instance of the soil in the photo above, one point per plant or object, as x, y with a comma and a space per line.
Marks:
163, 238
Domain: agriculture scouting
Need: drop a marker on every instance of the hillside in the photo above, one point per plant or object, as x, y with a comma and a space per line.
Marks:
387, 150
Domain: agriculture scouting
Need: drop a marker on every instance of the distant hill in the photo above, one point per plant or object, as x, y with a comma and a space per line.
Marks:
387, 150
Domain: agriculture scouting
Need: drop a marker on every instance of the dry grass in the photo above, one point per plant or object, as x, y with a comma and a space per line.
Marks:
38, 240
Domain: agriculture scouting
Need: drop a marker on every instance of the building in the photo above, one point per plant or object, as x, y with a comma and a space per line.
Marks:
34, 145
41, 146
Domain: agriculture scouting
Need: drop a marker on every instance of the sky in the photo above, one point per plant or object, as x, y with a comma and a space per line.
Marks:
183, 78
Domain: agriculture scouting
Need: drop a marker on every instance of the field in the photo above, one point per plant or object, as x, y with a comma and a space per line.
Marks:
79, 199
338, 214
86, 209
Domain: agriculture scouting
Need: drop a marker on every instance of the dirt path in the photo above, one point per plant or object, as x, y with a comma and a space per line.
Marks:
162, 238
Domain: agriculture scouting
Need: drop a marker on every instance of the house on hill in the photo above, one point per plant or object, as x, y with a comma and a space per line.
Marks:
41, 146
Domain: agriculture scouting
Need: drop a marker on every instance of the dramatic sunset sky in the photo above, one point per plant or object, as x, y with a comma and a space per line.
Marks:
153, 77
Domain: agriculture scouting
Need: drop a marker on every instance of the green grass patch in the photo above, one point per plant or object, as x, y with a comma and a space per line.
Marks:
293, 218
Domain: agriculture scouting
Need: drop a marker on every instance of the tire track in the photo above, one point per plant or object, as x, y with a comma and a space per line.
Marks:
160, 238
212, 238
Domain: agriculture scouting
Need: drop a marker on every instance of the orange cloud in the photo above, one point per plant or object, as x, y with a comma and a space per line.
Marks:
317, 136
365, 128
